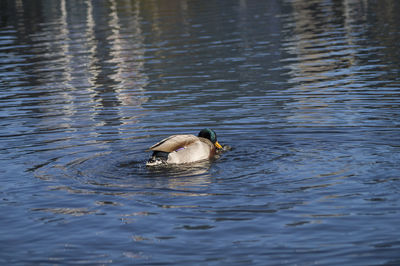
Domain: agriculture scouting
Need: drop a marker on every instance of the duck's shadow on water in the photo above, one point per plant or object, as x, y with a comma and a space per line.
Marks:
182, 170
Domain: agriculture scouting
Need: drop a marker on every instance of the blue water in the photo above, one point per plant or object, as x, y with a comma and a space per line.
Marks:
307, 94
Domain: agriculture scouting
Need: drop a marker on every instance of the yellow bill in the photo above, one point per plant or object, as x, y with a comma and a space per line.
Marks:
218, 145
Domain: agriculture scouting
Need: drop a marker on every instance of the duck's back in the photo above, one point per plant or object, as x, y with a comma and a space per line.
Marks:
174, 142
196, 151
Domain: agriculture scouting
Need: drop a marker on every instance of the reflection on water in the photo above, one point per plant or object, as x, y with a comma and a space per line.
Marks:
79, 70
305, 92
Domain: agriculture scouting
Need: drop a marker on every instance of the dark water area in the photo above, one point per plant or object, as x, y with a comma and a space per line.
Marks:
307, 94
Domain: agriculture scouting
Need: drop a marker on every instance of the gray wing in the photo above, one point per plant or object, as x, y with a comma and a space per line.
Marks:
173, 143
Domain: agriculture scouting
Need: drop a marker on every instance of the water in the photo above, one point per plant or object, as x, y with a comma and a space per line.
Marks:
307, 94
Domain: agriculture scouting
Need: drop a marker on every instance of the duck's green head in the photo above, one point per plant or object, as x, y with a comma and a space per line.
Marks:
210, 134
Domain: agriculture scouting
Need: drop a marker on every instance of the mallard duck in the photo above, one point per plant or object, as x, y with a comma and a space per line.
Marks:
179, 149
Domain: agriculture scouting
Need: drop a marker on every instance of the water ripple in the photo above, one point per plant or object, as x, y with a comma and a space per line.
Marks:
305, 92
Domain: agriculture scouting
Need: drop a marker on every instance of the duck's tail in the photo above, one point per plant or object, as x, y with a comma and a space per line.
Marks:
158, 157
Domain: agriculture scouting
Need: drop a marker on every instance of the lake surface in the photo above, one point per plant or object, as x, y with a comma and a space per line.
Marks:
307, 94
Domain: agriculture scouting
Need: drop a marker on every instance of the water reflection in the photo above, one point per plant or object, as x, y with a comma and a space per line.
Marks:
76, 44
328, 65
